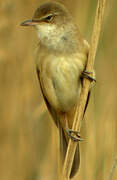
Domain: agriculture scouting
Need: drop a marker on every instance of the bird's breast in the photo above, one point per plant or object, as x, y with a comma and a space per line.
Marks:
60, 79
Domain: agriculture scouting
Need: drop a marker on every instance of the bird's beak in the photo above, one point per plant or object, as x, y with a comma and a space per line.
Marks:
28, 23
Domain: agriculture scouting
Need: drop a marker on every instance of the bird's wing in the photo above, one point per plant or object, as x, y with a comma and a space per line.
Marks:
50, 109
63, 137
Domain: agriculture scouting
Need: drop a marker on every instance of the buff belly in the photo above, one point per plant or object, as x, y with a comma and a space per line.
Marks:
61, 84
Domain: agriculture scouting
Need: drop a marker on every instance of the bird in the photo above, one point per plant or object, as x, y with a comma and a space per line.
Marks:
60, 61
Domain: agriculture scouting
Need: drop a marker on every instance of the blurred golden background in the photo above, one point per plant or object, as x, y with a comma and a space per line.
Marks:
28, 136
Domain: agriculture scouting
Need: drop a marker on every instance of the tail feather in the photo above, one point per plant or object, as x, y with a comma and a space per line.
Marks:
64, 140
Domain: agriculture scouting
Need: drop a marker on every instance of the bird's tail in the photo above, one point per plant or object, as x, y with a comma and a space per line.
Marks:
64, 139
63, 150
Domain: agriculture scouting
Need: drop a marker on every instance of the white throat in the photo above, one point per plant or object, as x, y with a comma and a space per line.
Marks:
56, 38
48, 34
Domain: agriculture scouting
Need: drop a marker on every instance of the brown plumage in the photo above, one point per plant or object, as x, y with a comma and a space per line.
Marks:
60, 61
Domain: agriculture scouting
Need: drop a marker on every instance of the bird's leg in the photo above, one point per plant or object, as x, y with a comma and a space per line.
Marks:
74, 135
86, 74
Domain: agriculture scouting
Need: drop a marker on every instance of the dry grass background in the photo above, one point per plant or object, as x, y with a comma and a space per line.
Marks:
28, 137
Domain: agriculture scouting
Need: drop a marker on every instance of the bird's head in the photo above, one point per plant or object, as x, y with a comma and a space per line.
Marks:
54, 25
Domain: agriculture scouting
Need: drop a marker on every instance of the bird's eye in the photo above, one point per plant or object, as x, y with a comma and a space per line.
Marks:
49, 18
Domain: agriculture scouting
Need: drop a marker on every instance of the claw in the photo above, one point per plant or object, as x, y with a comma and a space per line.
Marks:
86, 74
76, 133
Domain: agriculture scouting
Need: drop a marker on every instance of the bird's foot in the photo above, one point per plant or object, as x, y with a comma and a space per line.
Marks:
74, 135
89, 75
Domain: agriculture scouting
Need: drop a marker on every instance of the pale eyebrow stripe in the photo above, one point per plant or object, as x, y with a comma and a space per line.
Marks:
44, 17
